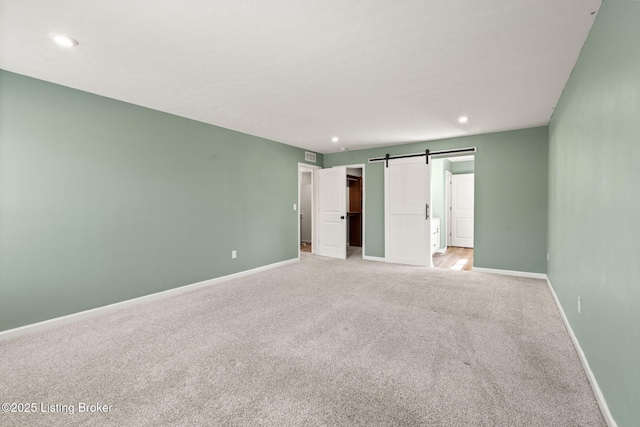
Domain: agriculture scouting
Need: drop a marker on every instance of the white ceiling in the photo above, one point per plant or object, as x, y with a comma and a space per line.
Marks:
373, 72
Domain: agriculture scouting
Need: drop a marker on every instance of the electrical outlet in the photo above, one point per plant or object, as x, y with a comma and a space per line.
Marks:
234, 254
295, 207
579, 305
547, 256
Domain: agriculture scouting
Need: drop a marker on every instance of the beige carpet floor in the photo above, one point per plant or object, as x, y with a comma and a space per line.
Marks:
321, 342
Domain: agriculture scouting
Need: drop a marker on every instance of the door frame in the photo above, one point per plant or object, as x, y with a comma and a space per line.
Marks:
448, 186
305, 167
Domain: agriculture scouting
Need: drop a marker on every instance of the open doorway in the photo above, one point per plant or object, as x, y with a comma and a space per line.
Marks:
306, 213
453, 200
306, 206
355, 218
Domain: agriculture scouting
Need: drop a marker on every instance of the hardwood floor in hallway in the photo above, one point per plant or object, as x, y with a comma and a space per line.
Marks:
454, 259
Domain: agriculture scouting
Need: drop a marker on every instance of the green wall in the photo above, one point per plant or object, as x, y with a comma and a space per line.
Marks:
103, 201
511, 173
594, 205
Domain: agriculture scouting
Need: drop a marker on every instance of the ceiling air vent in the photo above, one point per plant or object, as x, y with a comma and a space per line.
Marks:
309, 157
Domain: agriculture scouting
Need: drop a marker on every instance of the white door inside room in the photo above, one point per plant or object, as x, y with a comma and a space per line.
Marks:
407, 193
462, 207
332, 212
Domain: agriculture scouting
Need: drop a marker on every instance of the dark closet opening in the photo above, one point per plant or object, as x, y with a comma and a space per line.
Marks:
354, 210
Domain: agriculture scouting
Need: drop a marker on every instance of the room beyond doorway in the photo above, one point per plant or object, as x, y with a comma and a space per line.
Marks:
452, 199
455, 258
306, 206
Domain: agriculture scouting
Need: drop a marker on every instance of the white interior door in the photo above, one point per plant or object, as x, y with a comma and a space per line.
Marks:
332, 212
462, 205
407, 223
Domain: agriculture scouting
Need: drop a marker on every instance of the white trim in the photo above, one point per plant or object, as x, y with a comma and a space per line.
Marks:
308, 166
74, 317
585, 364
510, 273
448, 184
373, 258
462, 158
442, 250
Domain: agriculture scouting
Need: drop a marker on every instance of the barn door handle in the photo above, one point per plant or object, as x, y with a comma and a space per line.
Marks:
427, 211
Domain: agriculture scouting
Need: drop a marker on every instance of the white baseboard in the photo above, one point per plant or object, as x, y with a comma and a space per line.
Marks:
585, 364
442, 250
74, 317
510, 273
373, 258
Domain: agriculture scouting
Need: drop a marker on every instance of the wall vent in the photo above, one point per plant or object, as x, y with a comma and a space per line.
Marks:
309, 157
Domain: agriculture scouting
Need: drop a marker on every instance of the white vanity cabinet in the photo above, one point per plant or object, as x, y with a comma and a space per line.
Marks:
435, 234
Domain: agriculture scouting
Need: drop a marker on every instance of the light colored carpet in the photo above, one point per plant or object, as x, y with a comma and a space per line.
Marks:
320, 342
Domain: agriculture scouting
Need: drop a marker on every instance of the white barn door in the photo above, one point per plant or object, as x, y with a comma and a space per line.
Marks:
462, 207
332, 212
407, 219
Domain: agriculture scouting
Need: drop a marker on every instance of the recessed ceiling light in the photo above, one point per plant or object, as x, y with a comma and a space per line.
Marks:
64, 41
463, 119
335, 139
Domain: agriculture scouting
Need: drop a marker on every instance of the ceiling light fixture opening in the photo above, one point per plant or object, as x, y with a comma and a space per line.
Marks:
463, 119
64, 41
335, 139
